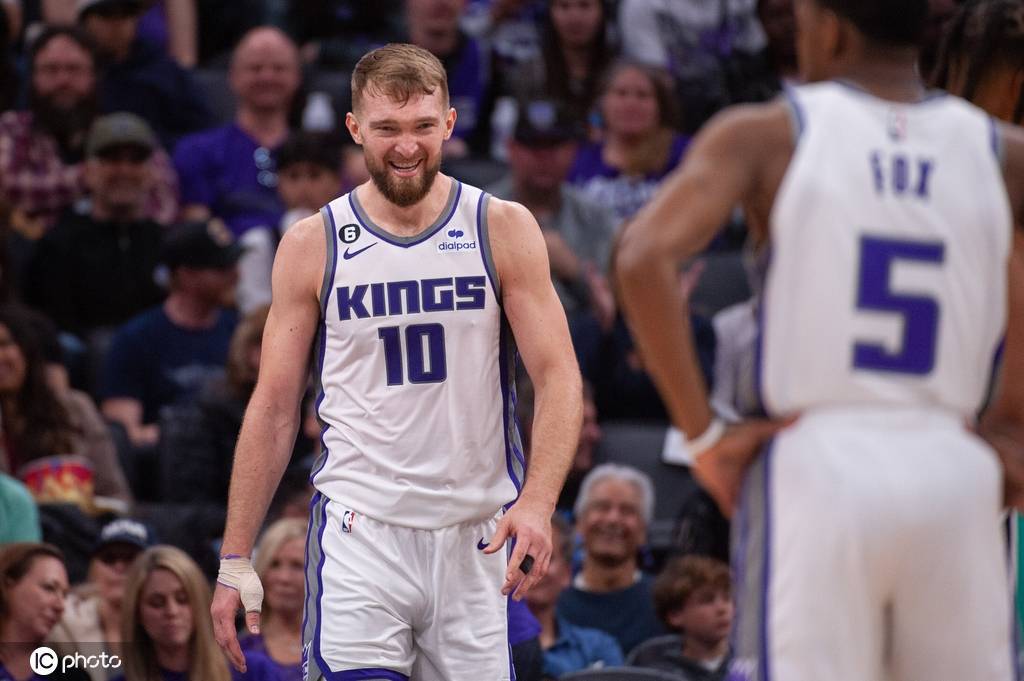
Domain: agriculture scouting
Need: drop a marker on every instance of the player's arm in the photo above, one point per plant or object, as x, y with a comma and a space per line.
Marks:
1003, 422
727, 166
542, 335
271, 421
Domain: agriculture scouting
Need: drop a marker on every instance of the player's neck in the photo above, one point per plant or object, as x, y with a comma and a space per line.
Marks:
891, 74
408, 220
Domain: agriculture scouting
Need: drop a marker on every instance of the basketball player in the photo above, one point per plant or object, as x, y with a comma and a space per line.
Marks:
417, 299
868, 542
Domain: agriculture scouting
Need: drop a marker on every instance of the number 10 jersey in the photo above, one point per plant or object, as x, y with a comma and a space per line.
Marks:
415, 367
889, 247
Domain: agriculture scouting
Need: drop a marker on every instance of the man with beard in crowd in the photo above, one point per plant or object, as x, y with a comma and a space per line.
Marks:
41, 149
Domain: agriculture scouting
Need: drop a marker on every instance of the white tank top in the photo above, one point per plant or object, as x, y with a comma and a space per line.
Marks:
415, 368
890, 238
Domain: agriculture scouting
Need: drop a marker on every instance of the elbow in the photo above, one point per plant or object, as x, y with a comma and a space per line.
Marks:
633, 259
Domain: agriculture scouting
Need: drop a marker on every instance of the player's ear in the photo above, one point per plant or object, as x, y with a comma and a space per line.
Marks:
352, 123
449, 122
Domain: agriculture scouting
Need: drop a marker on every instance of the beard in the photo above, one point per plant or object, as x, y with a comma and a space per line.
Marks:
402, 191
68, 125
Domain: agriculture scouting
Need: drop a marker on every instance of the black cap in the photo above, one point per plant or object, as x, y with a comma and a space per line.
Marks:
120, 129
543, 123
124, 531
200, 245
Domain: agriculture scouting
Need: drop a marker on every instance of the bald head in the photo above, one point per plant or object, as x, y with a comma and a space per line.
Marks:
265, 70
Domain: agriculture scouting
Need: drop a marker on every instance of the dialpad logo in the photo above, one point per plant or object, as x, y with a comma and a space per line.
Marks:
456, 245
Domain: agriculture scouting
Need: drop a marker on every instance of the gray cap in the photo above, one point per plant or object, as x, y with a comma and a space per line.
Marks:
84, 6
119, 129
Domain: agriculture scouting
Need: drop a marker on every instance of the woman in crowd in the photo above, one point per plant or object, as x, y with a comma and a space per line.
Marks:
93, 613
42, 417
280, 563
639, 146
33, 586
166, 617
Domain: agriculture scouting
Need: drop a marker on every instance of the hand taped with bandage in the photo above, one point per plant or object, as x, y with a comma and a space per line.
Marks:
237, 584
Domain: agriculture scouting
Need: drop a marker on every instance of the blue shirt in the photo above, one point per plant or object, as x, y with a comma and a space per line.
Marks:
580, 648
283, 672
622, 195
153, 360
227, 171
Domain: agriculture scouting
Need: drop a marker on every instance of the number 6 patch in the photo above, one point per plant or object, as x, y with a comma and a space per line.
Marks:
349, 233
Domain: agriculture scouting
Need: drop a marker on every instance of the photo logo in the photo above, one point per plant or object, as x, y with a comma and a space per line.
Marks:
43, 661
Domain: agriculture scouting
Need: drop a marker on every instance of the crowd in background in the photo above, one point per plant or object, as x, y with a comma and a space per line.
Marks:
151, 156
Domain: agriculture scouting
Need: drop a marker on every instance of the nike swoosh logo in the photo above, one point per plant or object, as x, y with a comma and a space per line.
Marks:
348, 256
482, 544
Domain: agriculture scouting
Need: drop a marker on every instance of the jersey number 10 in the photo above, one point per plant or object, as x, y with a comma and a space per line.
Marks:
920, 313
425, 360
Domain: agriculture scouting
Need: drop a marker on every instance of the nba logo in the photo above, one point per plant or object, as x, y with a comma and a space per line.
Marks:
897, 125
348, 519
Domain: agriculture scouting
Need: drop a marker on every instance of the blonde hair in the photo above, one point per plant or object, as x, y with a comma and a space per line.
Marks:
241, 375
273, 538
205, 659
400, 71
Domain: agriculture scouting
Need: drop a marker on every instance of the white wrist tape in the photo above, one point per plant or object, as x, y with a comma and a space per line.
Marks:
237, 573
708, 439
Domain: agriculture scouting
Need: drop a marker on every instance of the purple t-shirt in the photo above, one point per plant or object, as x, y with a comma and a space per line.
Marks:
622, 195
467, 72
522, 625
225, 170
283, 672
153, 26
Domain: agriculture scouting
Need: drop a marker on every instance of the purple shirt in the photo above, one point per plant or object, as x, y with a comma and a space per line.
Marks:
228, 172
622, 195
283, 672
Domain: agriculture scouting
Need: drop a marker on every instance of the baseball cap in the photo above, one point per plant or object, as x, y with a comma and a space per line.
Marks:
118, 130
84, 6
200, 245
545, 122
124, 531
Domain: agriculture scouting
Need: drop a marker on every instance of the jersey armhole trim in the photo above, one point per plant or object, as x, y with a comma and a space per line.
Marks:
331, 261
996, 140
485, 244
796, 112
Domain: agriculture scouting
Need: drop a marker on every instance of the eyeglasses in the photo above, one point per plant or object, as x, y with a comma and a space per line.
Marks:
264, 160
113, 556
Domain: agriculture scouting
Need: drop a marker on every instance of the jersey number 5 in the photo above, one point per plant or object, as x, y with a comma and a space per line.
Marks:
920, 313
424, 353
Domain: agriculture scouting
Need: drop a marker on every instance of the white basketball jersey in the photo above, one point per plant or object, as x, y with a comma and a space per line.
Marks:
416, 369
890, 238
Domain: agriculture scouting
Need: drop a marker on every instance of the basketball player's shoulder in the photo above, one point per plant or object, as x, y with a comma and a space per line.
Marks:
754, 129
302, 251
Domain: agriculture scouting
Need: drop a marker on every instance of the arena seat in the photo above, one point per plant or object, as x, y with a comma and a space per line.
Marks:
620, 674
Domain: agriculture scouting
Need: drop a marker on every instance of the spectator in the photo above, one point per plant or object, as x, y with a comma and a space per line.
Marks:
166, 605
639, 147
228, 172
93, 614
578, 233
567, 647
165, 354
434, 26
693, 596
610, 593
55, 440
280, 564
714, 50
19, 517
334, 34
33, 586
95, 271
779, 23
309, 174
575, 52
41, 149
138, 76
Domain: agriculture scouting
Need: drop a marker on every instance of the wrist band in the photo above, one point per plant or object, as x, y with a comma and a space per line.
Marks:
708, 439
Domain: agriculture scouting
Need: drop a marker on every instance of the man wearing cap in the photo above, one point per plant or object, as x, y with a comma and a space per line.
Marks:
91, 622
42, 148
165, 354
138, 76
95, 271
578, 234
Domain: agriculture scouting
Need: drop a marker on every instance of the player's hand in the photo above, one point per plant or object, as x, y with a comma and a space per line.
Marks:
720, 470
237, 584
530, 524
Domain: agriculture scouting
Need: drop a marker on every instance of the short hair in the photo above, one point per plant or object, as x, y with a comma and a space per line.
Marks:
400, 71
72, 33
318, 148
981, 35
16, 560
615, 471
682, 577
891, 23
